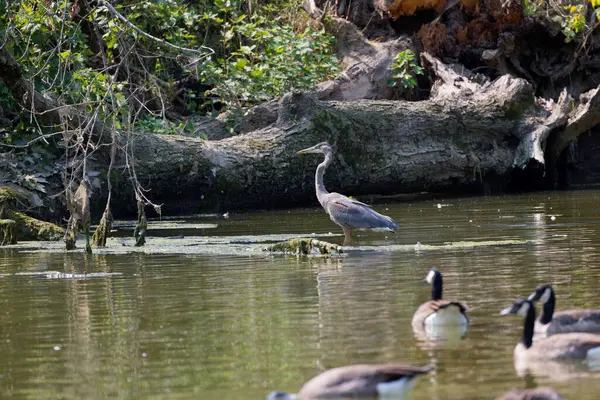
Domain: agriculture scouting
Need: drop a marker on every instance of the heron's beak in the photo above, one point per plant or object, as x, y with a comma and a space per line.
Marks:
532, 296
506, 311
310, 150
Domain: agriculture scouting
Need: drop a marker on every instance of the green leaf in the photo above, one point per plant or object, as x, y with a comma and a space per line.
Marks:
240, 63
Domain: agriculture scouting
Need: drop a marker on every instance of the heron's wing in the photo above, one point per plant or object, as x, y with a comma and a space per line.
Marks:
359, 202
354, 214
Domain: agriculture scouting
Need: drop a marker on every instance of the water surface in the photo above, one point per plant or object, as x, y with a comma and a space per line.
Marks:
210, 317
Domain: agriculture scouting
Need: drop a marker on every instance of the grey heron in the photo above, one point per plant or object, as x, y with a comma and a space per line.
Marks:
348, 213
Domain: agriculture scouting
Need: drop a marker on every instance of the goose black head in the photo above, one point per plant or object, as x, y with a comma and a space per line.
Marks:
542, 293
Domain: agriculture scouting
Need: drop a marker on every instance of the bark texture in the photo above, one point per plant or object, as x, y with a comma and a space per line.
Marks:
464, 132
470, 130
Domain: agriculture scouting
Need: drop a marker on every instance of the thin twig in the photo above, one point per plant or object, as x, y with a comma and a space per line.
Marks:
207, 50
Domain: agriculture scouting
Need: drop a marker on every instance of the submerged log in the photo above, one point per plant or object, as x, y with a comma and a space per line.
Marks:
305, 246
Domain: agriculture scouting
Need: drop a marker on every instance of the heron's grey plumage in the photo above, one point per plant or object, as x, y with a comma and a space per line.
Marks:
348, 213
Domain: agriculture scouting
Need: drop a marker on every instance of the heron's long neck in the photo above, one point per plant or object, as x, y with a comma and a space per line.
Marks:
548, 309
319, 185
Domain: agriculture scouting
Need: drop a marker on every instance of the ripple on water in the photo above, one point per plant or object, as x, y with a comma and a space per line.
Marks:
206, 317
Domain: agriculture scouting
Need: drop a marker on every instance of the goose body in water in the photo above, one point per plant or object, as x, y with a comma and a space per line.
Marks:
362, 380
550, 322
541, 393
575, 345
347, 213
437, 314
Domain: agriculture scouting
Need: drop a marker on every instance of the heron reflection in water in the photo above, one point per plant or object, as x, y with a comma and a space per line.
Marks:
348, 213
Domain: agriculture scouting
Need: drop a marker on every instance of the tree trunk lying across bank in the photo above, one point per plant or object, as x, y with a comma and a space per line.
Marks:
465, 134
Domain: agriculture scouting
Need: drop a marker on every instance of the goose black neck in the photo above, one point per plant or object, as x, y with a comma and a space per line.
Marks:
548, 309
528, 326
436, 287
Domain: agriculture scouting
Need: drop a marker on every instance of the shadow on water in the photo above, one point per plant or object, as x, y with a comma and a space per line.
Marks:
201, 312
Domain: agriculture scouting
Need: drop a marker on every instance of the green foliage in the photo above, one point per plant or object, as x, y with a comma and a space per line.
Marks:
7, 102
158, 125
265, 56
405, 69
531, 7
574, 22
256, 57
572, 17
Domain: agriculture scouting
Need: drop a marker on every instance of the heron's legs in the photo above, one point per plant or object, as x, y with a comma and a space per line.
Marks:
347, 235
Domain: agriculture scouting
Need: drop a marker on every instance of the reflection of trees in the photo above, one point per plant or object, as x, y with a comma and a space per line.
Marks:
228, 327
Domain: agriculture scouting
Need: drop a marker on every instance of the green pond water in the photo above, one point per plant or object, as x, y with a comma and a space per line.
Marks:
201, 313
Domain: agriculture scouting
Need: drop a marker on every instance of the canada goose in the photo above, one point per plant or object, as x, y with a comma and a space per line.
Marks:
541, 393
438, 312
357, 381
550, 323
575, 345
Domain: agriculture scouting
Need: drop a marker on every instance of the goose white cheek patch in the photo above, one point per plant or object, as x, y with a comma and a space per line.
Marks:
429, 277
524, 308
546, 296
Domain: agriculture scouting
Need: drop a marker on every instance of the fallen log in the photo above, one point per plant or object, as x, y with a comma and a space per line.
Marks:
380, 147
469, 131
464, 134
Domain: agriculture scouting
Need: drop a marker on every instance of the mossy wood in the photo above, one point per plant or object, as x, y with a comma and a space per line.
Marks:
29, 228
22, 227
7, 232
102, 231
305, 246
